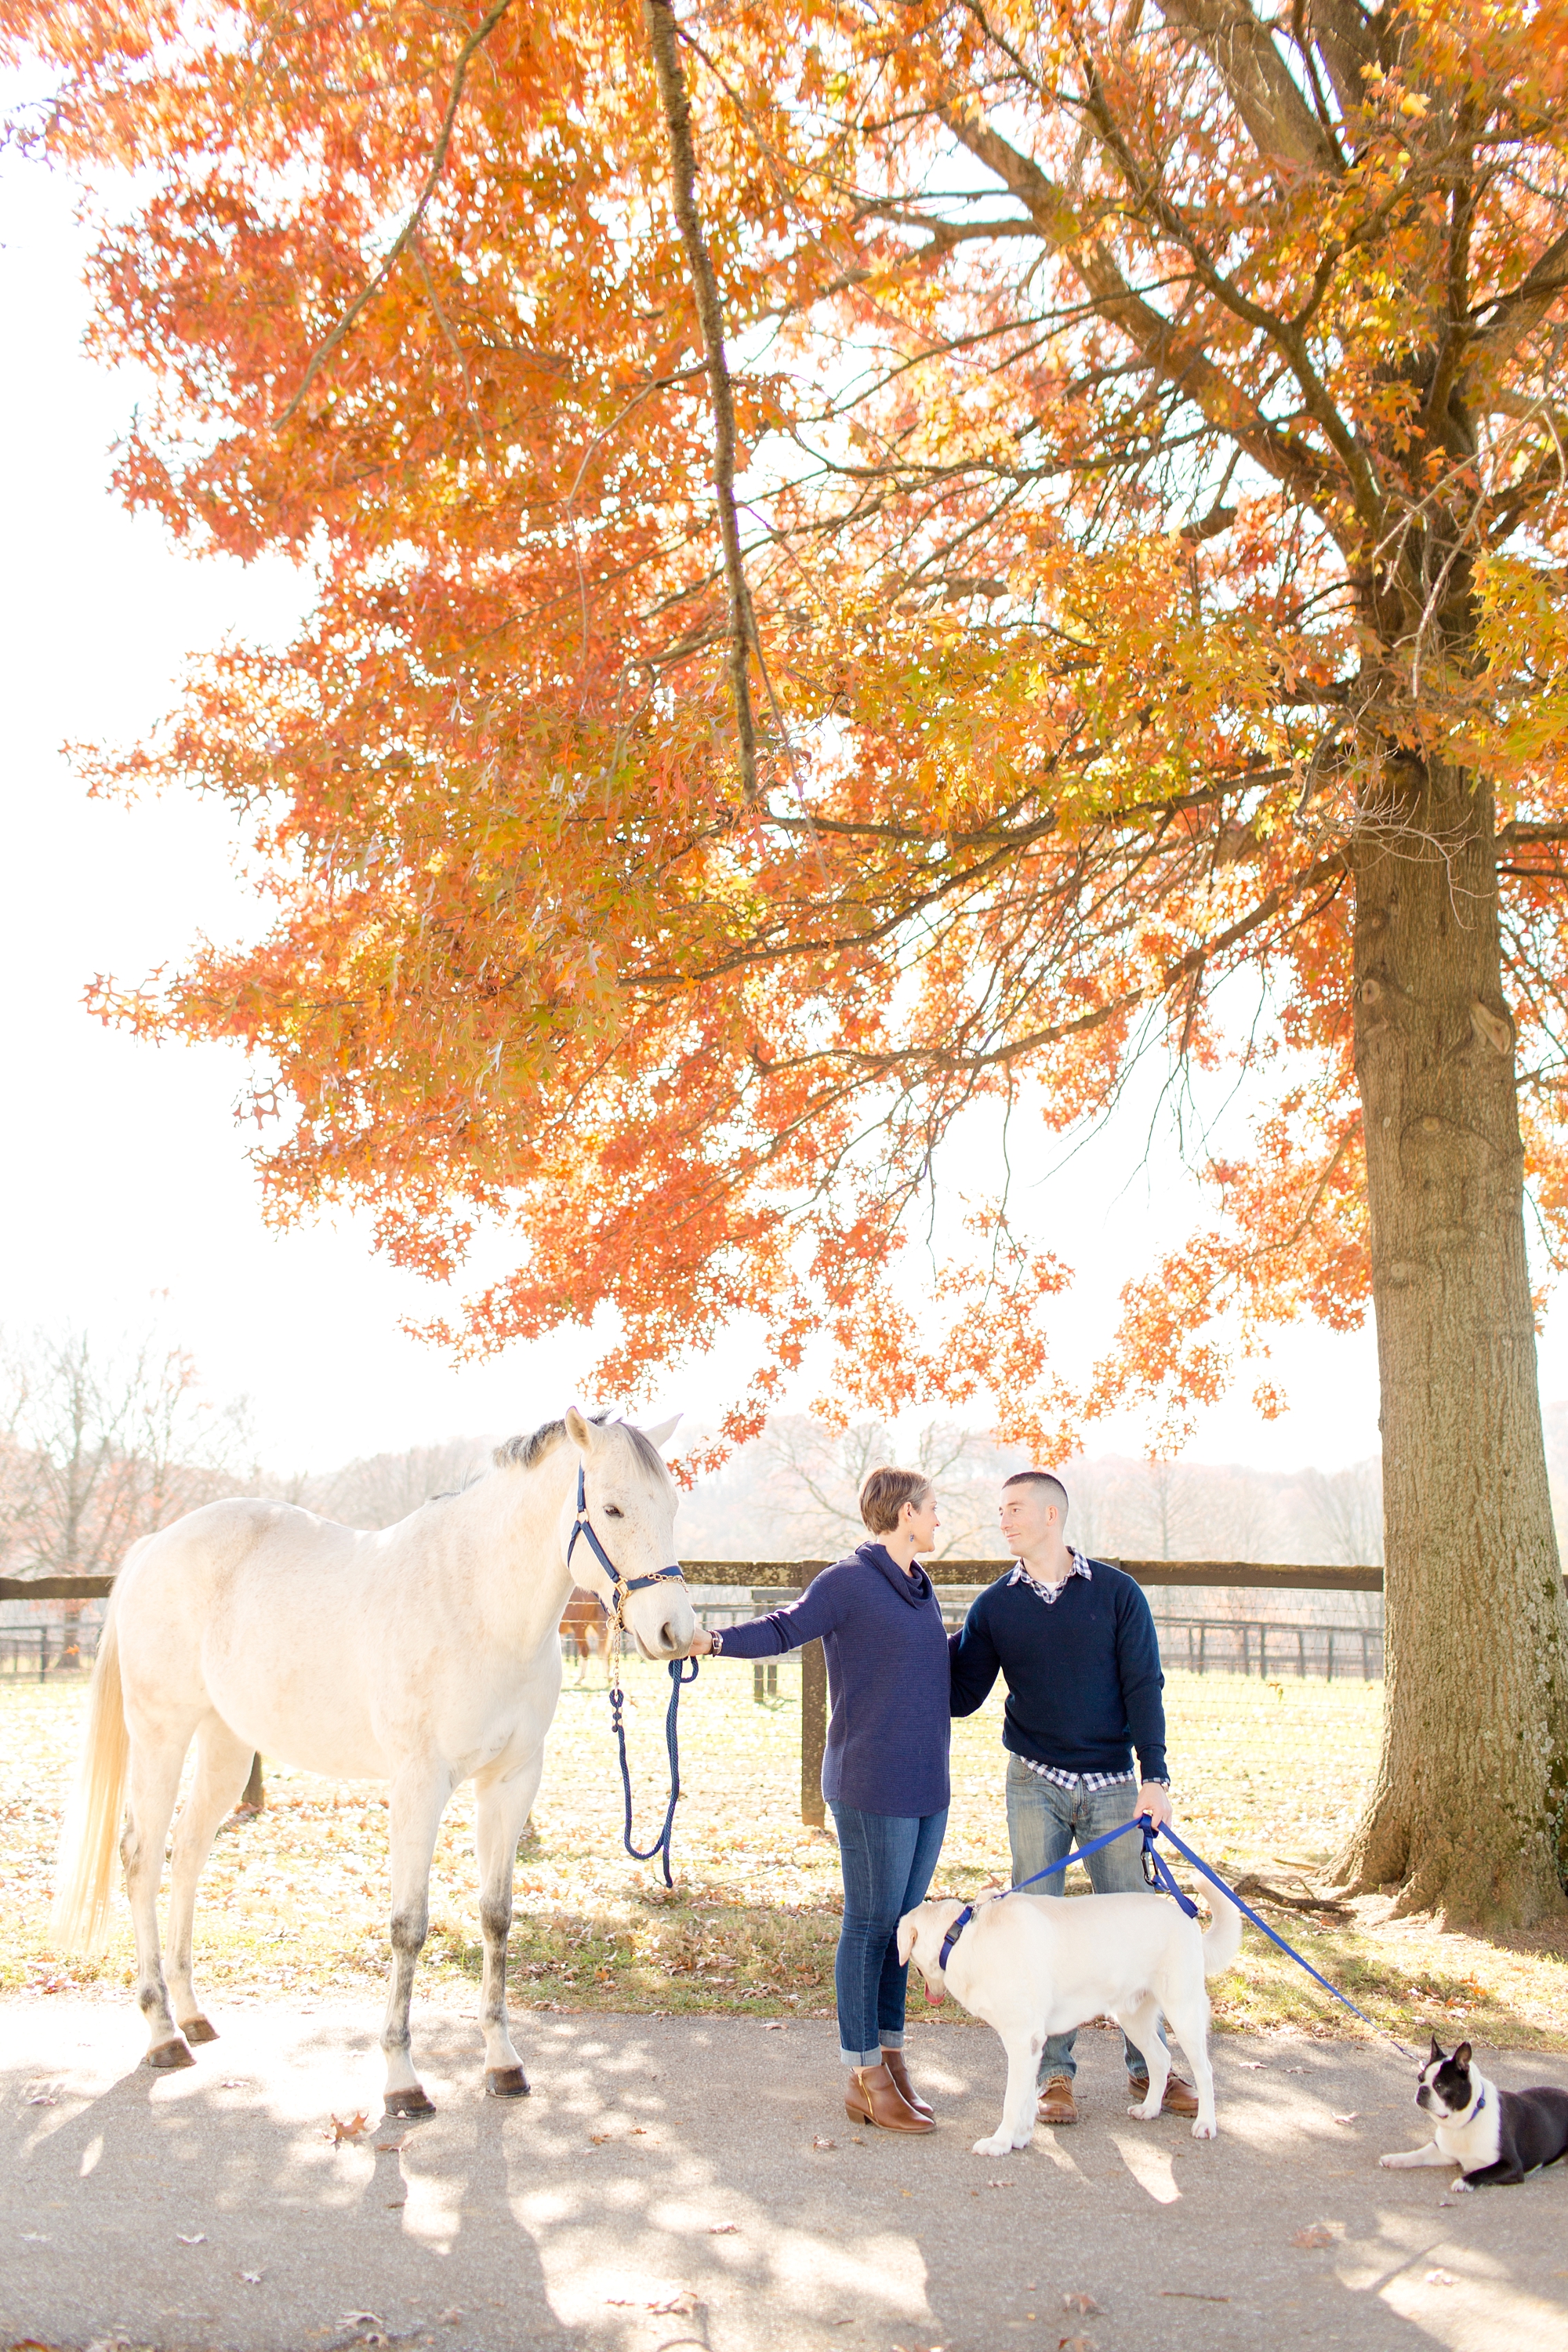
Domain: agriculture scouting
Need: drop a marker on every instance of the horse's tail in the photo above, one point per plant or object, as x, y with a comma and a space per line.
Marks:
89, 1842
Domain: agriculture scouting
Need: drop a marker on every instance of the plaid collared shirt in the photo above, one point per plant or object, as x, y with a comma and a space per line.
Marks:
1050, 1594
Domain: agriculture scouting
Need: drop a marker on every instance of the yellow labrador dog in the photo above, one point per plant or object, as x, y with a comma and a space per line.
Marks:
1032, 1965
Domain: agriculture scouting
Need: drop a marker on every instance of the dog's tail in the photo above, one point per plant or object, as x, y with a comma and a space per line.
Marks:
1223, 1941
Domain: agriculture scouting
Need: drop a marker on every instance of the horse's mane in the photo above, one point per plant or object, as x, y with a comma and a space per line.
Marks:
522, 1452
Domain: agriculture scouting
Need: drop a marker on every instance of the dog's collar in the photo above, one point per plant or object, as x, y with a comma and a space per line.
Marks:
952, 1934
1480, 2103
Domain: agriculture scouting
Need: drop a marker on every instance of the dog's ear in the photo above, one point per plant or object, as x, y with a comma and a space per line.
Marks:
1462, 2055
909, 1929
1437, 2055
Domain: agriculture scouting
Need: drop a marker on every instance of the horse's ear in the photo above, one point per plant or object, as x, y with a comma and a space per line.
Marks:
579, 1428
663, 1430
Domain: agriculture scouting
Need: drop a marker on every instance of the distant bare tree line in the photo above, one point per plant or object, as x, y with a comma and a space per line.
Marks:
101, 1443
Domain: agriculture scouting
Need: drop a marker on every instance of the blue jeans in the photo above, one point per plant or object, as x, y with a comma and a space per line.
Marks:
887, 1860
1043, 1823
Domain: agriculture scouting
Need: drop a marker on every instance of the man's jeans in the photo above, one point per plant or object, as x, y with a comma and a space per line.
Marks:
1043, 1823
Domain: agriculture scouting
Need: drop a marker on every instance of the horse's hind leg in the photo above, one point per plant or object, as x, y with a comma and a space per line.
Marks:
419, 1795
223, 1767
502, 1812
155, 1783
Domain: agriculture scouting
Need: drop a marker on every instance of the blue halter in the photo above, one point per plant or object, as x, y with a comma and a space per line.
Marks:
622, 1588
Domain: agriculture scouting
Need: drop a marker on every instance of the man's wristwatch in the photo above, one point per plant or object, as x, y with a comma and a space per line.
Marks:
716, 1642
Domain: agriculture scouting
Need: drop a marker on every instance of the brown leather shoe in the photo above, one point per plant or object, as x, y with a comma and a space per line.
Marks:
873, 2097
1058, 2105
893, 2060
1180, 2098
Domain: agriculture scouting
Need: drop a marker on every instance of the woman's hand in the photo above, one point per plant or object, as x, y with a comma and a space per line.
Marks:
699, 1645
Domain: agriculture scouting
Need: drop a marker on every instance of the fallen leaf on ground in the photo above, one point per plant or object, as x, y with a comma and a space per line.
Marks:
41, 2095
824, 2143
1293, 2070
449, 2318
1080, 2302
679, 2305
198, 2239
639, 2131
233, 2082
1253, 2065
1353, 2116
775, 2024
723, 2228
251, 2278
350, 2128
598, 2138
1075, 2344
1441, 2278
361, 2319
390, 2147
999, 2184
1317, 2235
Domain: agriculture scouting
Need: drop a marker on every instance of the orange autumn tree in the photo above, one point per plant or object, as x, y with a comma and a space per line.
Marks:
1115, 557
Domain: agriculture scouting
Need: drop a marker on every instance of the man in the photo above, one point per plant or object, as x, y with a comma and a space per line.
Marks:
1075, 1642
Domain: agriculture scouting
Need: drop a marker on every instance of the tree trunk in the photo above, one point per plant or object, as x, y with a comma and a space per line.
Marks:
1467, 1817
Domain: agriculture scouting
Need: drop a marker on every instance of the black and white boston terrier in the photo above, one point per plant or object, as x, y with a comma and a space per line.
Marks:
1490, 2134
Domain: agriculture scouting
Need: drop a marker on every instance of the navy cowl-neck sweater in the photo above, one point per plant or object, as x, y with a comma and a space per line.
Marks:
887, 1682
1082, 1672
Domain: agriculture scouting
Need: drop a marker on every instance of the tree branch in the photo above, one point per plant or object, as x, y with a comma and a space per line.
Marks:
411, 226
1278, 121
659, 16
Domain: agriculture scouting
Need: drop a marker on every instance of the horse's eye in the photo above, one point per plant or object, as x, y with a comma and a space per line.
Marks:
614, 1511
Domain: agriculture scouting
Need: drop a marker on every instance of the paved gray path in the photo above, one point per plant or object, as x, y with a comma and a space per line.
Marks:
669, 2158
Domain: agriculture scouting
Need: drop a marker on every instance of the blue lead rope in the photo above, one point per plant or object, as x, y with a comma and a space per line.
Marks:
660, 1845
1158, 1874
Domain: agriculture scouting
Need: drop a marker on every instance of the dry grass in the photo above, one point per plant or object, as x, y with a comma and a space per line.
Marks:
294, 1902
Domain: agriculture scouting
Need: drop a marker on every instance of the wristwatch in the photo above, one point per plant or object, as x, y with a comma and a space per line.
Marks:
718, 1641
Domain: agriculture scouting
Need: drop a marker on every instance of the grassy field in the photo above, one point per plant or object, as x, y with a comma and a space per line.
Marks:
1268, 1776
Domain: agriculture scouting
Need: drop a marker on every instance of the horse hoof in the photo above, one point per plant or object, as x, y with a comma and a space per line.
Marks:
505, 2082
409, 2103
198, 2029
167, 2054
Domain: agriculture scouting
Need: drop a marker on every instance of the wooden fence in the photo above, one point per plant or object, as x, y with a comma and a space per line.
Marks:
795, 1575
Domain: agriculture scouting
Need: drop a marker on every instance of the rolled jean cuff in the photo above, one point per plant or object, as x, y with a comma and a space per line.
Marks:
892, 2037
858, 2057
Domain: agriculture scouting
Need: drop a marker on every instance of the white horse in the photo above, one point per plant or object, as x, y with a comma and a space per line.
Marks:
424, 1654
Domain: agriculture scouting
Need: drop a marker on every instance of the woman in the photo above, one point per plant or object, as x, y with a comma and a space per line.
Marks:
884, 1771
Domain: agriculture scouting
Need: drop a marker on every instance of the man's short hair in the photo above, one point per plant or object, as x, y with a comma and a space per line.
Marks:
884, 1494
1055, 1491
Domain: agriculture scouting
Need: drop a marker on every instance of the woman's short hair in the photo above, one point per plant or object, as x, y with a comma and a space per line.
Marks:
884, 1494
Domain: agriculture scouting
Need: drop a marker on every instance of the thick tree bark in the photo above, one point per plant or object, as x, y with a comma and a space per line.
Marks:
1467, 1817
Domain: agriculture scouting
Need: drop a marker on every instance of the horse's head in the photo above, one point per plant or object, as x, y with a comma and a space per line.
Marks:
631, 1503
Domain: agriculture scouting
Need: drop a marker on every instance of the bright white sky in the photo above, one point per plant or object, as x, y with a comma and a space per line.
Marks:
125, 1178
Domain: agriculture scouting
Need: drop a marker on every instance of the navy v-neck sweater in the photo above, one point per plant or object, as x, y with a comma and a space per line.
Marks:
1082, 1672
888, 1682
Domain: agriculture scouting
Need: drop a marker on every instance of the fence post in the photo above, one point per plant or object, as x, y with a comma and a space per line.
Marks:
1331, 1673
812, 1734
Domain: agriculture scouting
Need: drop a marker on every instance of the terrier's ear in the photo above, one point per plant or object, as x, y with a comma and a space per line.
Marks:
1462, 2055
1437, 2054
579, 1428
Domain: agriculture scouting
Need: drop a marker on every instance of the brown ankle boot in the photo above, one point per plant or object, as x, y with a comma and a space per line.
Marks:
893, 2060
873, 2097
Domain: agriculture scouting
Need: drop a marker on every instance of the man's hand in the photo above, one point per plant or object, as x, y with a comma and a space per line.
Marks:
699, 1645
1155, 1801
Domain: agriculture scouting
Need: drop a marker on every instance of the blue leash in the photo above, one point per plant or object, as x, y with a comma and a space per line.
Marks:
660, 1845
622, 1588
1157, 1873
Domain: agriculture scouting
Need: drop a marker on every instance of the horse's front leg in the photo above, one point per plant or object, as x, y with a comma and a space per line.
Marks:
502, 1811
419, 1794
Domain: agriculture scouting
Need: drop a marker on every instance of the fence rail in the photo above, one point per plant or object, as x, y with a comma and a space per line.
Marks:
797, 1574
